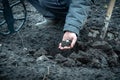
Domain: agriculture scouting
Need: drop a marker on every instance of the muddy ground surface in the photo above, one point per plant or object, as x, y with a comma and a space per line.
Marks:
33, 54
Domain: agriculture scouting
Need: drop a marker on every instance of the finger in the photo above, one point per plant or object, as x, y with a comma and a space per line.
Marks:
66, 47
73, 42
60, 46
63, 48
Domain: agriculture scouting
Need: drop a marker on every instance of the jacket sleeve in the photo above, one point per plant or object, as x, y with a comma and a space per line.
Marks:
77, 15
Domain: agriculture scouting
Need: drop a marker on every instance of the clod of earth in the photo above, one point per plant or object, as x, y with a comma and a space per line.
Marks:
66, 43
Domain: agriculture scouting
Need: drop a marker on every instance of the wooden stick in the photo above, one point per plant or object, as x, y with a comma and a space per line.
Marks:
107, 18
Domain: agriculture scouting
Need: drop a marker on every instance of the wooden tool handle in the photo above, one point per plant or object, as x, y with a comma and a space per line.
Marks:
107, 18
110, 9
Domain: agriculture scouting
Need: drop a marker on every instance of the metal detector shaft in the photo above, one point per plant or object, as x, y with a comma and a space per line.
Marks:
107, 18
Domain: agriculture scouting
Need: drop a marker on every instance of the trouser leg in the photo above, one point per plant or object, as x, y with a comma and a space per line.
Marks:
41, 9
53, 9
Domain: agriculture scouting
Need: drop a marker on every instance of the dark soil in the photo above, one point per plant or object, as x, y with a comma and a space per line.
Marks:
33, 54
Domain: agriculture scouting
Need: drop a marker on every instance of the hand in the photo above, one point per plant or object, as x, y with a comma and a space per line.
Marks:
68, 36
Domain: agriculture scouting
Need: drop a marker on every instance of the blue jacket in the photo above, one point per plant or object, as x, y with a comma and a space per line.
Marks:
75, 11
77, 15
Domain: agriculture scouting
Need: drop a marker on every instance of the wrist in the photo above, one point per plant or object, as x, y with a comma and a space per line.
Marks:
70, 32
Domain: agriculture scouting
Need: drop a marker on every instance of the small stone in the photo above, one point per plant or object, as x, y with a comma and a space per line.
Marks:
0, 45
42, 58
25, 49
66, 43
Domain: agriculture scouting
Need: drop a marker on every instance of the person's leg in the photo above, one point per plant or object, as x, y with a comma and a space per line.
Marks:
39, 7
51, 9
58, 8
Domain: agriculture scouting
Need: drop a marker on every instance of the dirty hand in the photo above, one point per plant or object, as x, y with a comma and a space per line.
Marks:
68, 36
